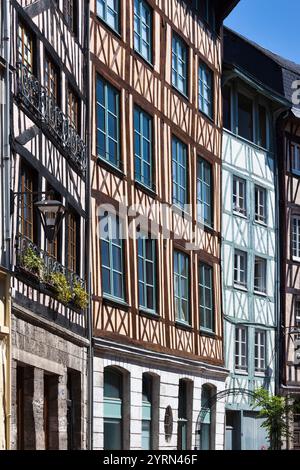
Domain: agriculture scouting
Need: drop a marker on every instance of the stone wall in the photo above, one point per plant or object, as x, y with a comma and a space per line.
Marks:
43, 353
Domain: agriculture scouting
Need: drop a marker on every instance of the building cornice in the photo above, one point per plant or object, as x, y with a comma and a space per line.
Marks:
24, 313
140, 354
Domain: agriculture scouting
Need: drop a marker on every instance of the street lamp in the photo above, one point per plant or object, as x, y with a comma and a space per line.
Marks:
51, 213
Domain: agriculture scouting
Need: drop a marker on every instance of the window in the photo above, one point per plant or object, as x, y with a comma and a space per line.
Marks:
241, 345
179, 64
147, 404
296, 236
183, 415
181, 286
27, 211
260, 270
143, 147
260, 351
295, 158
25, 47
51, 79
245, 117
113, 409
73, 109
206, 438
207, 12
54, 248
206, 297
262, 126
204, 192
297, 312
227, 107
108, 132
72, 241
109, 11
240, 268
205, 90
112, 257
146, 273
179, 164
70, 13
260, 204
143, 29
239, 195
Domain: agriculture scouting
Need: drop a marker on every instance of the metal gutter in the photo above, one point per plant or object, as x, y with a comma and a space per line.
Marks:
6, 178
90, 353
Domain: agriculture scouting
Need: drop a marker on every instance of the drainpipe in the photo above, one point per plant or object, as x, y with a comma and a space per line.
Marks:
278, 117
88, 231
6, 146
6, 178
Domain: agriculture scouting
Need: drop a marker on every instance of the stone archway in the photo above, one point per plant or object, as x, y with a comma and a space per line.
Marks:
211, 403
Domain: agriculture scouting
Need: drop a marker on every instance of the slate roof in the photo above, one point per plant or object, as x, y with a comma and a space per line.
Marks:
272, 70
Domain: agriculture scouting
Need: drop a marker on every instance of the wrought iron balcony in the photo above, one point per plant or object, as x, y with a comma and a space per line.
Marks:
37, 99
44, 269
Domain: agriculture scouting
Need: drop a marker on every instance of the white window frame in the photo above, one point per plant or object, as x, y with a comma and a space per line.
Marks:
260, 351
262, 288
240, 359
295, 237
295, 158
260, 201
239, 195
239, 272
297, 311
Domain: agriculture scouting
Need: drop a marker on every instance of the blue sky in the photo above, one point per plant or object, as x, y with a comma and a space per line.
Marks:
274, 24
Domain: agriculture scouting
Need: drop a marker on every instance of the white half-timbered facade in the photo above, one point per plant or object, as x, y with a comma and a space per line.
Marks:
250, 243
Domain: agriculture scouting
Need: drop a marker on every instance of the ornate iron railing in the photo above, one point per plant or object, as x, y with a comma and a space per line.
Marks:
37, 99
41, 266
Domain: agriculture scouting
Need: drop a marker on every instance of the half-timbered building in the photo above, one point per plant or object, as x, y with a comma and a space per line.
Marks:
49, 161
252, 102
155, 171
4, 229
288, 136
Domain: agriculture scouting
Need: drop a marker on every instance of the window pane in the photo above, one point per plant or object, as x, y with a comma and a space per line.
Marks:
262, 127
143, 29
112, 384
204, 192
179, 166
112, 434
146, 272
205, 90
108, 11
179, 65
227, 107
181, 281
108, 145
143, 147
206, 297
245, 119
241, 348
239, 195
146, 435
112, 257
260, 275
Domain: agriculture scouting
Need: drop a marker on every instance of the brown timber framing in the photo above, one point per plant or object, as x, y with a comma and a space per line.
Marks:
125, 323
